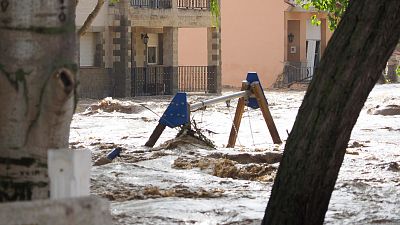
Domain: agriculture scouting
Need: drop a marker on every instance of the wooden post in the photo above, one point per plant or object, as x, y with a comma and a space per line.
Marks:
69, 173
262, 102
236, 123
238, 118
155, 135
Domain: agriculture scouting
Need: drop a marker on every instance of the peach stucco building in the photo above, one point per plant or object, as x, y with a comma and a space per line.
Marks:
255, 37
252, 40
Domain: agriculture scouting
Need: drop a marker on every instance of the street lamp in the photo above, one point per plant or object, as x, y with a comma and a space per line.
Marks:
145, 39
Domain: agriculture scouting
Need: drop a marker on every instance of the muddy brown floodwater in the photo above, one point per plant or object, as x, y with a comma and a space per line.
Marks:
182, 181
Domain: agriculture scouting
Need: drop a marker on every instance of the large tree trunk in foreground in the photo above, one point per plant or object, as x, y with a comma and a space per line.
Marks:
314, 152
37, 91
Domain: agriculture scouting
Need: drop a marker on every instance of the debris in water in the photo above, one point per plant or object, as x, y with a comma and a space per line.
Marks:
186, 163
350, 152
102, 161
356, 145
127, 193
196, 132
183, 141
394, 167
245, 158
112, 105
109, 158
229, 169
218, 166
389, 110
189, 136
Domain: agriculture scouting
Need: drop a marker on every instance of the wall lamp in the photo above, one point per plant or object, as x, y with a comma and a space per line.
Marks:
145, 38
290, 37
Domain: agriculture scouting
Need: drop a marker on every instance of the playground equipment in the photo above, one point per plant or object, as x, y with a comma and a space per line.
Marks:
251, 94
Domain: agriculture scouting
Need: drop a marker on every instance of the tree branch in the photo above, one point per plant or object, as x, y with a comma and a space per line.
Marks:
90, 18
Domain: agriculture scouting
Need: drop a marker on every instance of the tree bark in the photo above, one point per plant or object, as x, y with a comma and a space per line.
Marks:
90, 18
353, 61
392, 65
382, 78
391, 72
38, 82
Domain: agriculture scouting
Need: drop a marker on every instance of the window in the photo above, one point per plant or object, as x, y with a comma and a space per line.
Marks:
87, 49
152, 55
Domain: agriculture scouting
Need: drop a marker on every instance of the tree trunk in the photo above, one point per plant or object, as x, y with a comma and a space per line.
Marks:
392, 65
391, 72
353, 61
37, 91
382, 78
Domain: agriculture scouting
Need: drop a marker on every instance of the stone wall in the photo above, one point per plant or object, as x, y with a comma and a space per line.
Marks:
121, 53
95, 82
214, 59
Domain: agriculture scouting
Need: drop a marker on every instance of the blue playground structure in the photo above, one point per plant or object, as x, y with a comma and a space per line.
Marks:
178, 112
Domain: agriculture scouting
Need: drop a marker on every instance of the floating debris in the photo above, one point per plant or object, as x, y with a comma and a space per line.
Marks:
356, 144
112, 105
246, 168
245, 158
109, 158
134, 193
389, 110
394, 167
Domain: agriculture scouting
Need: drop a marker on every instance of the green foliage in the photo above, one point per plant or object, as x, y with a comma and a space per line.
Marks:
315, 21
112, 2
215, 12
398, 71
334, 8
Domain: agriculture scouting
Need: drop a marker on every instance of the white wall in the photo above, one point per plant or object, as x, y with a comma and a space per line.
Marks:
85, 7
313, 32
87, 49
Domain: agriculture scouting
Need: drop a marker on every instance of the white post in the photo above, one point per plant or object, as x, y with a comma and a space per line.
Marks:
69, 172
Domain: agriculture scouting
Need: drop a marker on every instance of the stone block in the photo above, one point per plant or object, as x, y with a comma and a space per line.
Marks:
69, 173
88, 210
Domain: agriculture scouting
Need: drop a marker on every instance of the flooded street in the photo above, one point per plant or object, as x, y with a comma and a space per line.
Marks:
186, 182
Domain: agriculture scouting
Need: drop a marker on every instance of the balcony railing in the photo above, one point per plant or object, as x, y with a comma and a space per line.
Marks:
167, 4
151, 80
152, 4
157, 80
197, 78
297, 73
194, 4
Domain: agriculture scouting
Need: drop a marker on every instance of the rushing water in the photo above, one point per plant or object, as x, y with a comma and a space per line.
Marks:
147, 186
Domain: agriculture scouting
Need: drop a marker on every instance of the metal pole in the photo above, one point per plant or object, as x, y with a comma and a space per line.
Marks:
219, 99
145, 71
